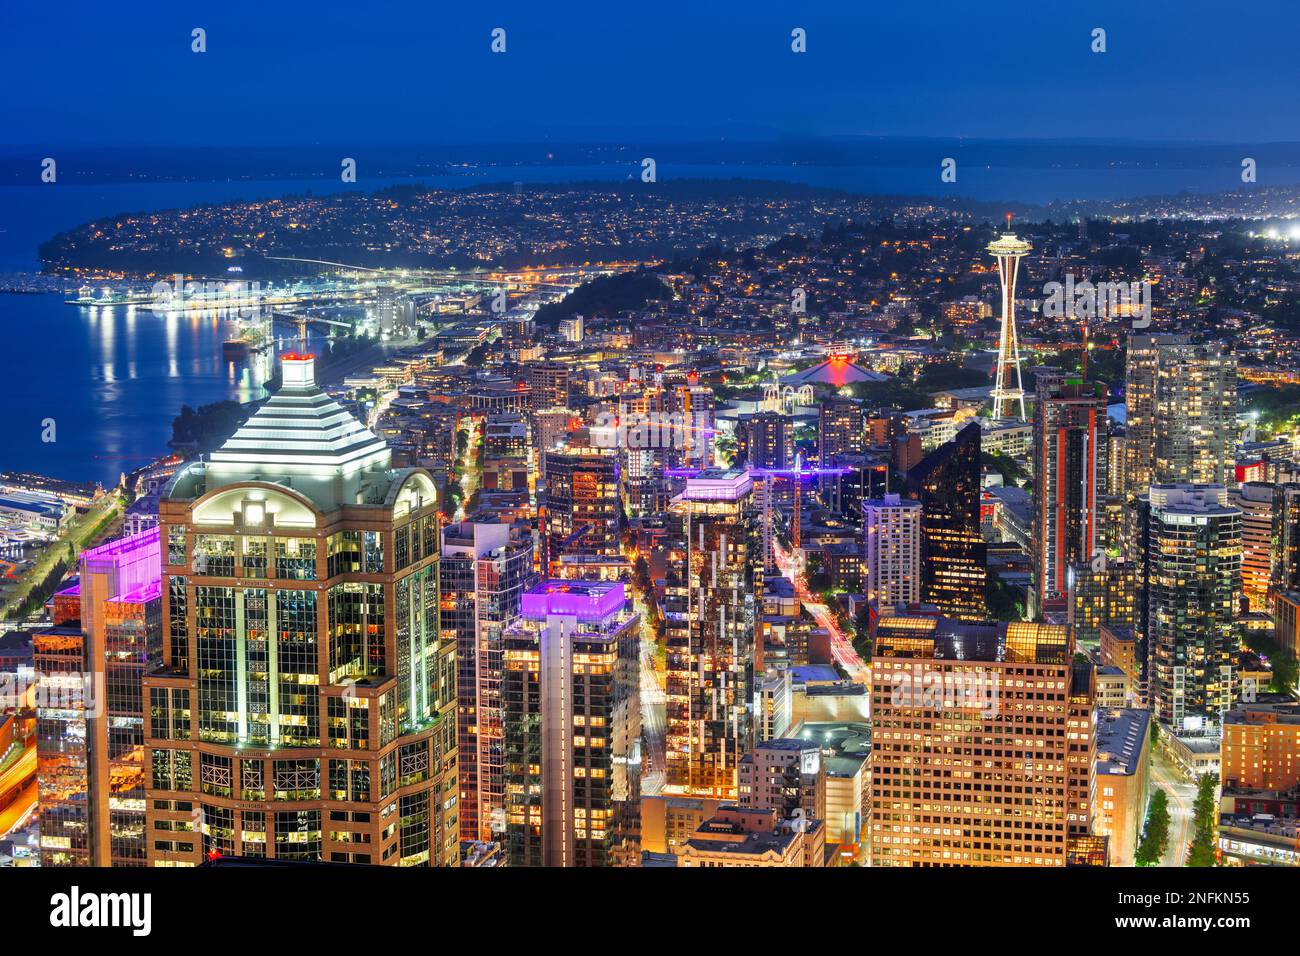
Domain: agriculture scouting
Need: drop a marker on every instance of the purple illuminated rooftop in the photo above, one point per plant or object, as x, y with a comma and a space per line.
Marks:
585, 600
133, 564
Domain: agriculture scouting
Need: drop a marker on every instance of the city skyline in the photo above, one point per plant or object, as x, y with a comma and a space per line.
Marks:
607, 438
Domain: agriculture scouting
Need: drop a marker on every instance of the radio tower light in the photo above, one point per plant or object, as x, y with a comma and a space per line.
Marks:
1009, 250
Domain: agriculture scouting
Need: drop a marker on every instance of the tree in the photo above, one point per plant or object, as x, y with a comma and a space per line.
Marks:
1201, 851
1012, 473
1155, 835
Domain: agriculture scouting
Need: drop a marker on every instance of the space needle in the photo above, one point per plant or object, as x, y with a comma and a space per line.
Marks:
1009, 250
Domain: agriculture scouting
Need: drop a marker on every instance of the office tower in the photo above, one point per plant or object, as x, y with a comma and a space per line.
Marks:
90, 717
840, 430
751, 837
765, 440
891, 529
305, 707
572, 726
974, 743
1191, 572
947, 484
549, 382
581, 509
1181, 413
1100, 594
712, 653
786, 774
1069, 473
1008, 389
1254, 500
484, 570
1286, 538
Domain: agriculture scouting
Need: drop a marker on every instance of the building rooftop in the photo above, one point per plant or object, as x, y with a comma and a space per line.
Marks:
585, 600
302, 439
944, 638
1121, 736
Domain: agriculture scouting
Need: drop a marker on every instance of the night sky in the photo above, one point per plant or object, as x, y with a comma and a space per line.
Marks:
92, 72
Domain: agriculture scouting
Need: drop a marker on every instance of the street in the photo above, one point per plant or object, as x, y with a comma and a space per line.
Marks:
1182, 797
841, 645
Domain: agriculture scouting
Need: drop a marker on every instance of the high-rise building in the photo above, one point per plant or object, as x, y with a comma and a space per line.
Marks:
305, 706
1190, 573
582, 504
1069, 479
572, 726
840, 430
484, 570
712, 652
90, 718
1100, 593
549, 382
976, 740
765, 440
953, 556
1181, 404
891, 530
1008, 388
696, 408
1286, 538
1254, 499
786, 774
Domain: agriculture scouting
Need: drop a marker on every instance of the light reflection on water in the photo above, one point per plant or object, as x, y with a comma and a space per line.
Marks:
112, 378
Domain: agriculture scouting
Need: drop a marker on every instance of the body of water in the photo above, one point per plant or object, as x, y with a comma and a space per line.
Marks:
110, 379
113, 379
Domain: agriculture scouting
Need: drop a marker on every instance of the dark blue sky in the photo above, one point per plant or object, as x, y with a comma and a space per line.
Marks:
95, 72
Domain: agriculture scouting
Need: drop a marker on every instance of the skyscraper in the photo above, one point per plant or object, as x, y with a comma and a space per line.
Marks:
484, 570
582, 504
953, 561
1009, 250
572, 726
977, 737
90, 721
765, 440
891, 530
1181, 413
1191, 569
1069, 476
840, 430
711, 647
305, 706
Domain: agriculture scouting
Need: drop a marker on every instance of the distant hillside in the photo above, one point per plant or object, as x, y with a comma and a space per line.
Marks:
605, 296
